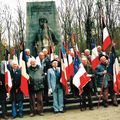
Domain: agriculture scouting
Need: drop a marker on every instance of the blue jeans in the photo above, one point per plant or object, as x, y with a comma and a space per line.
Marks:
14, 109
58, 99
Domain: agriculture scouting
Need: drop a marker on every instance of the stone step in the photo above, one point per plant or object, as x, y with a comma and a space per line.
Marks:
69, 101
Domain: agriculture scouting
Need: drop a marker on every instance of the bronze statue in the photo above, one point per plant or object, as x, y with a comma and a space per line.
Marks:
45, 37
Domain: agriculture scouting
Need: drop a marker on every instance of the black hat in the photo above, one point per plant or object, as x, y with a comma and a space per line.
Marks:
53, 61
103, 54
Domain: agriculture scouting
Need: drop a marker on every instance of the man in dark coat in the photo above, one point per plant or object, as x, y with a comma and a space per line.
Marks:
15, 92
36, 78
3, 91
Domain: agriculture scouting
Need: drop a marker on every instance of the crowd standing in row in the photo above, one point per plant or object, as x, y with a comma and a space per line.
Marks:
44, 79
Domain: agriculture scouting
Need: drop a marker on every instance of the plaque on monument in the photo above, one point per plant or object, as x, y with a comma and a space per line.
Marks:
42, 27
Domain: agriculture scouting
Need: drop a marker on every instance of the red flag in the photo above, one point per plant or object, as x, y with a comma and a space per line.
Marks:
71, 65
24, 77
77, 50
94, 57
14, 54
73, 37
50, 52
8, 80
116, 76
81, 79
106, 37
63, 79
64, 56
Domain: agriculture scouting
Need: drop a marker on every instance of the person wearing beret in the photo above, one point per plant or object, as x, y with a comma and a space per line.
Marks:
55, 87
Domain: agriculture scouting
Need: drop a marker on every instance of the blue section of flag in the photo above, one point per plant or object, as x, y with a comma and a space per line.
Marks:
24, 56
112, 60
77, 62
16, 53
63, 50
93, 43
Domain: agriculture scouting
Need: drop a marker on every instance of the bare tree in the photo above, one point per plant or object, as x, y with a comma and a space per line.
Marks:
87, 6
2, 28
112, 15
8, 22
20, 21
66, 18
78, 20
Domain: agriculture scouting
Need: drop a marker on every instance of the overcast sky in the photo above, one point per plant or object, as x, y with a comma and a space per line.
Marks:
13, 3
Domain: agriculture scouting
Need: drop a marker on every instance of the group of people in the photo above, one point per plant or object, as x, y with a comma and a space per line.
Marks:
44, 79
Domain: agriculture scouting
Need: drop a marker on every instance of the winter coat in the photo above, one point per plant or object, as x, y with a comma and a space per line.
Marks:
36, 78
101, 79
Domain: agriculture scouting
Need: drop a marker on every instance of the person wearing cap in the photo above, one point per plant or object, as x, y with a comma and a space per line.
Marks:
56, 57
101, 53
3, 92
16, 94
87, 90
102, 80
55, 87
37, 81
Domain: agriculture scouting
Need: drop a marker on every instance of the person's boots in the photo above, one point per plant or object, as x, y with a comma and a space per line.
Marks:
105, 103
90, 104
105, 97
83, 103
114, 101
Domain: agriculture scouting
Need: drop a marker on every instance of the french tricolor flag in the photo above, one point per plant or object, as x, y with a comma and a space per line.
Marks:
8, 80
66, 62
106, 38
25, 76
80, 79
71, 65
15, 56
77, 50
116, 76
95, 56
63, 78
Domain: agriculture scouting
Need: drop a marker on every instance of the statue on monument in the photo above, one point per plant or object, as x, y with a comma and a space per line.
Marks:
44, 37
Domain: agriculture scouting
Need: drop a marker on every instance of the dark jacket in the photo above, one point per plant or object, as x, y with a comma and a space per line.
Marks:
89, 85
47, 64
15, 92
16, 79
100, 77
2, 84
36, 78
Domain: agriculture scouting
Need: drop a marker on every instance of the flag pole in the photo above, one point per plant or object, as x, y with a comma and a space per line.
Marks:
104, 78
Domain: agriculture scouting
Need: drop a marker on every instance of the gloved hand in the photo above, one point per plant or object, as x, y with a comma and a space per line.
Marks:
50, 91
8, 96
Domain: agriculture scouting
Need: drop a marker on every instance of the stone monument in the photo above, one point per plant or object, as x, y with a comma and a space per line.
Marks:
42, 29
